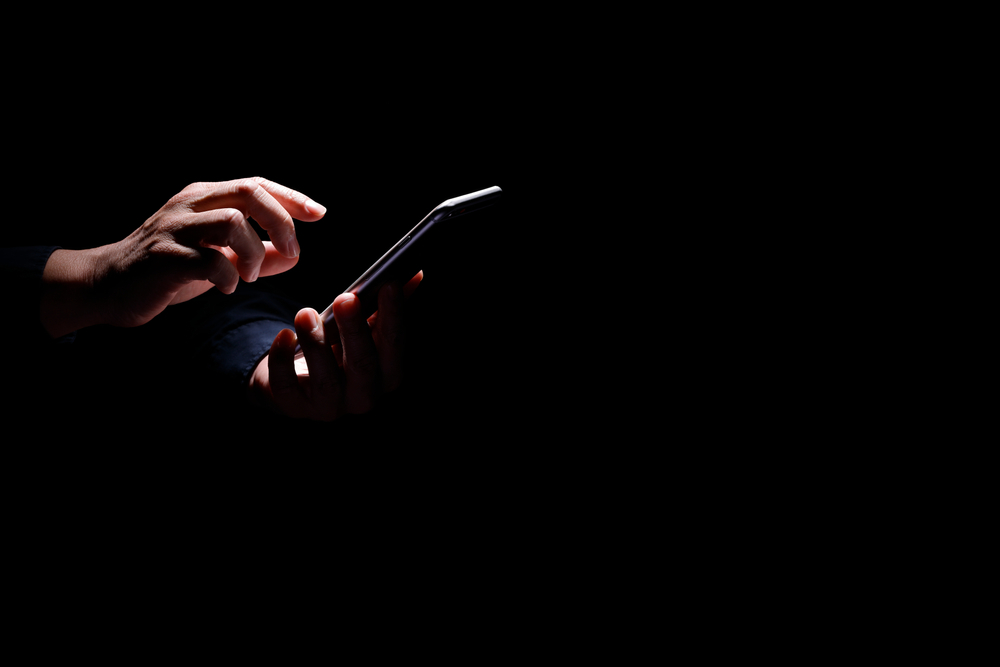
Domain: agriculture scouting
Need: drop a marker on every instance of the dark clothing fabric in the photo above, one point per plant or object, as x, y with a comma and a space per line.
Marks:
202, 350
223, 336
21, 271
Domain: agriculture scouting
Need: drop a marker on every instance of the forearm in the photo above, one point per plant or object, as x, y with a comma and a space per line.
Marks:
68, 300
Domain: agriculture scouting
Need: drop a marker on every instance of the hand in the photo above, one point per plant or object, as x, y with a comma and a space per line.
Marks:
345, 367
199, 238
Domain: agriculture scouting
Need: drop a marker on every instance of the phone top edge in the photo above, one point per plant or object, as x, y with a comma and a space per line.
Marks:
484, 195
442, 211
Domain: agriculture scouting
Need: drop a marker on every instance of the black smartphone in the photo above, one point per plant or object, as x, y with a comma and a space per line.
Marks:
404, 259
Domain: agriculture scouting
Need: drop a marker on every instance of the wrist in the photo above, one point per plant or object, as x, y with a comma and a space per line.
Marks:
68, 299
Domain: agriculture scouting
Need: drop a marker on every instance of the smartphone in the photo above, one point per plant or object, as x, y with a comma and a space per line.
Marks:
404, 259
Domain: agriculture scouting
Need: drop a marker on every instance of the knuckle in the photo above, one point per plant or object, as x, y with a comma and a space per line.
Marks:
159, 249
245, 187
190, 191
268, 185
254, 255
232, 218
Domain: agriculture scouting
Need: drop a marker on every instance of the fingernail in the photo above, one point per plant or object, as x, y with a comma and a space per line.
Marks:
314, 208
349, 305
293, 246
314, 320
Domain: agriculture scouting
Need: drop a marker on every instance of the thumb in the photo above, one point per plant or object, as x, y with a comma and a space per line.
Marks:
274, 262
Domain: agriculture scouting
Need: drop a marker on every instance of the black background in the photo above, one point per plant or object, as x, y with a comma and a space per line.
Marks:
100, 154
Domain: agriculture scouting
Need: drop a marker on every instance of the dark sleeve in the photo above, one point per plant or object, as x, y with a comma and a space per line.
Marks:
204, 349
21, 270
191, 360
219, 339
240, 333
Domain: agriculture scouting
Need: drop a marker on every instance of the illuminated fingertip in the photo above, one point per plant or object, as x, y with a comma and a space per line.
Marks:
347, 304
413, 283
307, 320
287, 339
314, 208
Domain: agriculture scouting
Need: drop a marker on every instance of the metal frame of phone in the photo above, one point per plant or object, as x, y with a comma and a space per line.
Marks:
401, 259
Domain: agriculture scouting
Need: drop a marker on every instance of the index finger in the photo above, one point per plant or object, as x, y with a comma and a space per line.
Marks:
270, 204
297, 204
